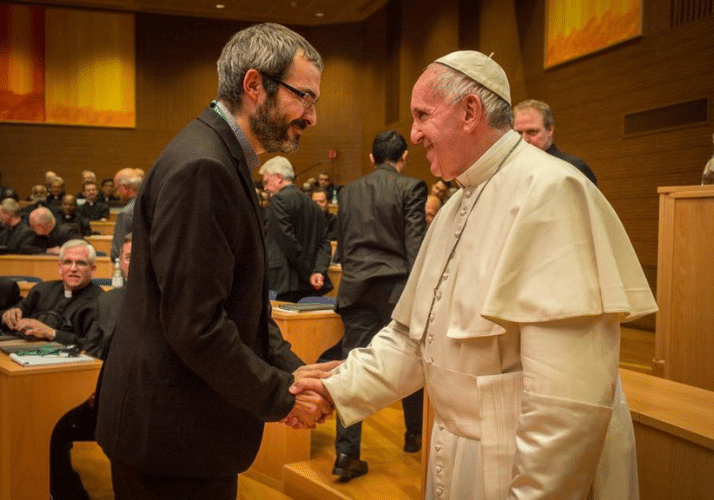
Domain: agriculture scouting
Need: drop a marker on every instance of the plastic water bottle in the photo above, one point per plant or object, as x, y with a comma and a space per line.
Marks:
117, 277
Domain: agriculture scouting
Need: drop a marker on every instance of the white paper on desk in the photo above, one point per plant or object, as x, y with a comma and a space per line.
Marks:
52, 359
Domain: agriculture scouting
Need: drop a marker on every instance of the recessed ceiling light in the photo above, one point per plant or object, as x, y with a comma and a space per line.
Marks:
319, 14
220, 6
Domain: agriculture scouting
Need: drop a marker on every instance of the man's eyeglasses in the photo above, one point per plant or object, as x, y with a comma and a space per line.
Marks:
306, 98
81, 264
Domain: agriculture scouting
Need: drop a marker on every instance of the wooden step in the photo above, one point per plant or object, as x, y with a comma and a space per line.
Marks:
393, 474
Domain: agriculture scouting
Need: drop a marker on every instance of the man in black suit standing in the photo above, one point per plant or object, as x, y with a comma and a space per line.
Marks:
196, 367
381, 226
298, 245
534, 121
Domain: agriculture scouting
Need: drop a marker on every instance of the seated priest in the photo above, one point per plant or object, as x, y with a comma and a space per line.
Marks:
60, 310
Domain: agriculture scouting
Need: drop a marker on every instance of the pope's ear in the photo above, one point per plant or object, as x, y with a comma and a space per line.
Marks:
473, 111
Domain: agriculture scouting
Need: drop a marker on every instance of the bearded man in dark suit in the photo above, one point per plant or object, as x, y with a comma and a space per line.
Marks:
196, 367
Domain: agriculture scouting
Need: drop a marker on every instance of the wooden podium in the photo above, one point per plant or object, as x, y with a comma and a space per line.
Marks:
684, 340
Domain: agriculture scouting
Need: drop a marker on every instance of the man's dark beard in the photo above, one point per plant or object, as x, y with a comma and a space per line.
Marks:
271, 132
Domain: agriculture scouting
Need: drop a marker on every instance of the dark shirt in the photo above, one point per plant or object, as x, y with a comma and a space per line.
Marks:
574, 161
60, 235
76, 220
71, 317
112, 201
94, 211
25, 211
17, 239
332, 228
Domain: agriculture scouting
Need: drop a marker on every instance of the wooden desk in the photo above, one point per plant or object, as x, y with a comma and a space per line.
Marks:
674, 431
311, 334
102, 227
335, 274
684, 344
32, 400
45, 266
101, 242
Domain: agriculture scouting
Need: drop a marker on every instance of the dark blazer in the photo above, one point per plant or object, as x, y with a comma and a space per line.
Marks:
195, 367
381, 226
574, 161
298, 244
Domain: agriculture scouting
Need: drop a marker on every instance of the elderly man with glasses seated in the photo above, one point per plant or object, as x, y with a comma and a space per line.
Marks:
59, 310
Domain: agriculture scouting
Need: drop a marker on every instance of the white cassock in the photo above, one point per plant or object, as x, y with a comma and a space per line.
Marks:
511, 319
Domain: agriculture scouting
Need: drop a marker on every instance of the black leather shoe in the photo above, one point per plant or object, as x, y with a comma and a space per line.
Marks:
348, 467
412, 442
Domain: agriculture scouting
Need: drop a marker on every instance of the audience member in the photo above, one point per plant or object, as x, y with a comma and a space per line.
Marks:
194, 348
49, 177
433, 204
70, 216
92, 208
127, 182
107, 194
324, 181
78, 424
382, 225
60, 310
309, 186
17, 236
534, 121
86, 176
49, 236
38, 197
54, 198
511, 314
298, 248
319, 196
440, 189
4, 189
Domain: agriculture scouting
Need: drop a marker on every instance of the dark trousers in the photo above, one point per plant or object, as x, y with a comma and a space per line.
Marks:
363, 320
132, 484
76, 425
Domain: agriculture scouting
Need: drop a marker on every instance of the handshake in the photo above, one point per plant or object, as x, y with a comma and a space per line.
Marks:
313, 404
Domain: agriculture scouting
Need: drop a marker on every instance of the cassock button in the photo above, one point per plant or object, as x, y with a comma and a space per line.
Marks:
463, 211
438, 295
430, 338
437, 447
439, 468
431, 318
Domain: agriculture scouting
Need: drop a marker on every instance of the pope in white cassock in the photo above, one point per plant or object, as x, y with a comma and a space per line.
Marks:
511, 315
